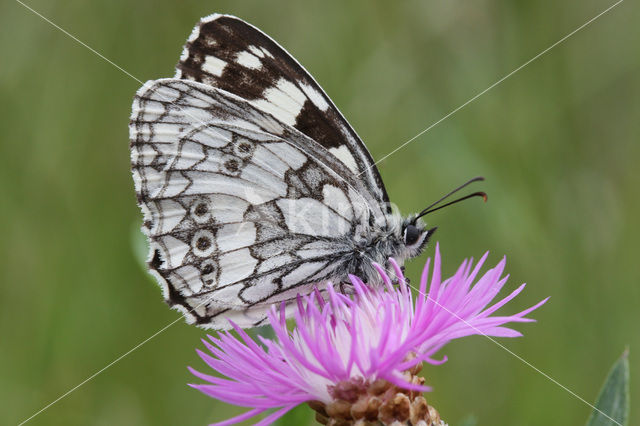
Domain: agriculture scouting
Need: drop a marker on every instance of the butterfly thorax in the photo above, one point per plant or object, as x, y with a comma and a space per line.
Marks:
377, 243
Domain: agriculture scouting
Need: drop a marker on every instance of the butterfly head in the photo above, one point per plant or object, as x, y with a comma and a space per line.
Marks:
415, 236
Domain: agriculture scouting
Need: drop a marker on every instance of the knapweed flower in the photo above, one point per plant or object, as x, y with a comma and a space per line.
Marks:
355, 359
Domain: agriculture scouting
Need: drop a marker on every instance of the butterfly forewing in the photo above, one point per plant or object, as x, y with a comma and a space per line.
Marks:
230, 54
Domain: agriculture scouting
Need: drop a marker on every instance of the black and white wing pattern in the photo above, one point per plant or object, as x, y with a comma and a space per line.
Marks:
253, 186
228, 53
240, 209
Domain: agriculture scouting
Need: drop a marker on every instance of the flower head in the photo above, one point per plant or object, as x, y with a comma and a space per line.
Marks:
357, 357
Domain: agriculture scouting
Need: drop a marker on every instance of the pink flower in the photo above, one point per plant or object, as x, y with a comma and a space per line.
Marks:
350, 354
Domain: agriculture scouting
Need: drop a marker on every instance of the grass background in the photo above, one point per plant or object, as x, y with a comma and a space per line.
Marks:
557, 142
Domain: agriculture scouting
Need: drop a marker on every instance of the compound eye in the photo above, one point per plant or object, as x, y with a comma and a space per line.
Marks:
411, 235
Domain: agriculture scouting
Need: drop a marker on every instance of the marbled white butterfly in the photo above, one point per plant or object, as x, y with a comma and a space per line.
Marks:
254, 187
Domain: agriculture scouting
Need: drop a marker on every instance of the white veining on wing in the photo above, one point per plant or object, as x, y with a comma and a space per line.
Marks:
248, 60
301, 273
315, 97
259, 291
213, 65
310, 217
268, 160
343, 154
256, 51
264, 178
174, 251
335, 198
226, 293
174, 184
160, 93
195, 183
165, 215
236, 266
294, 158
190, 154
236, 235
212, 137
227, 208
188, 278
284, 101
275, 262
315, 249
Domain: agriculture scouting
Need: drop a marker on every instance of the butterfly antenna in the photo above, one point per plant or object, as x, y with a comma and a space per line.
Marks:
432, 207
475, 194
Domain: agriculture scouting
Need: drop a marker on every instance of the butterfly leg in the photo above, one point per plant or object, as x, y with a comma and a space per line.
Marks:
406, 279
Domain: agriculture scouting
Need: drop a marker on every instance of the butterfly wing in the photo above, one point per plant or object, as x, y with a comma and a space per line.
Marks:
228, 53
241, 211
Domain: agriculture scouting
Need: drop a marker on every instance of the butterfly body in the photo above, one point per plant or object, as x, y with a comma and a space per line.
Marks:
253, 186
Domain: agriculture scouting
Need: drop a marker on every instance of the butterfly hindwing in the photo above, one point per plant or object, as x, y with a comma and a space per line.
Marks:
228, 53
240, 209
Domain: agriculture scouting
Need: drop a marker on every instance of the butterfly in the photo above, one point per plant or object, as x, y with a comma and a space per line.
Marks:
253, 186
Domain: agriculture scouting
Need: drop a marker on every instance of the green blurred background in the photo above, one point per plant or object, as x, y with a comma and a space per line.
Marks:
557, 142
